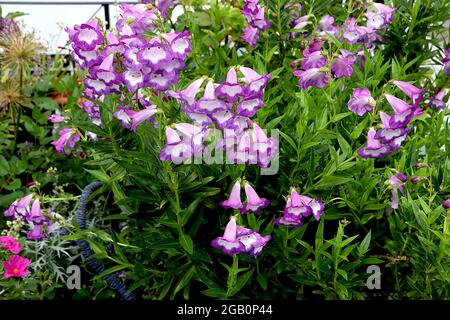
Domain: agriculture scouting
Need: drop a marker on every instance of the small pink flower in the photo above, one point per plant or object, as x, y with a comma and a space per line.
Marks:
10, 243
15, 267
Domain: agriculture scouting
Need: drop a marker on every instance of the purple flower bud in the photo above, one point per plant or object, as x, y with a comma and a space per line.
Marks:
446, 204
415, 179
55, 118
414, 93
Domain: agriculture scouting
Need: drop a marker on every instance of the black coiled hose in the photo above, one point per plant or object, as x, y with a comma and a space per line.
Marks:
86, 251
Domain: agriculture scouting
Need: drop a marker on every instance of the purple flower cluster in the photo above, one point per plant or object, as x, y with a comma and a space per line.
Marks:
314, 70
254, 15
298, 207
128, 59
229, 106
143, 62
31, 213
394, 128
312, 73
125, 63
253, 203
237, 239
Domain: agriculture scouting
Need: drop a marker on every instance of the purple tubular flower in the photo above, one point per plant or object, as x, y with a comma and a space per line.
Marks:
67, 138
249, 106
256, 83
36, 215
134, 79
300, 23
397, 182
317, 206
299, 206
259, 22
414, 93
313, 60
106, 73
234, 200
403, 111
179, 43
135, 19
164, 6
153, 55
228, 243
314, 46
446, 203
311, 78
342, 67
254, 202
223, 119
361, 102
295, 207
162, 80
140, 116
251, 36
379, 16
437, 101
387, 133
415, 179
37, 233
326, 26
86, 36
349, 31
209, 103
231, 89
175, 150
250, 7
55, 118
123, 114
374, 148
446, 61
98, 86
20, 207
186, 97
288, 220
252, 240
